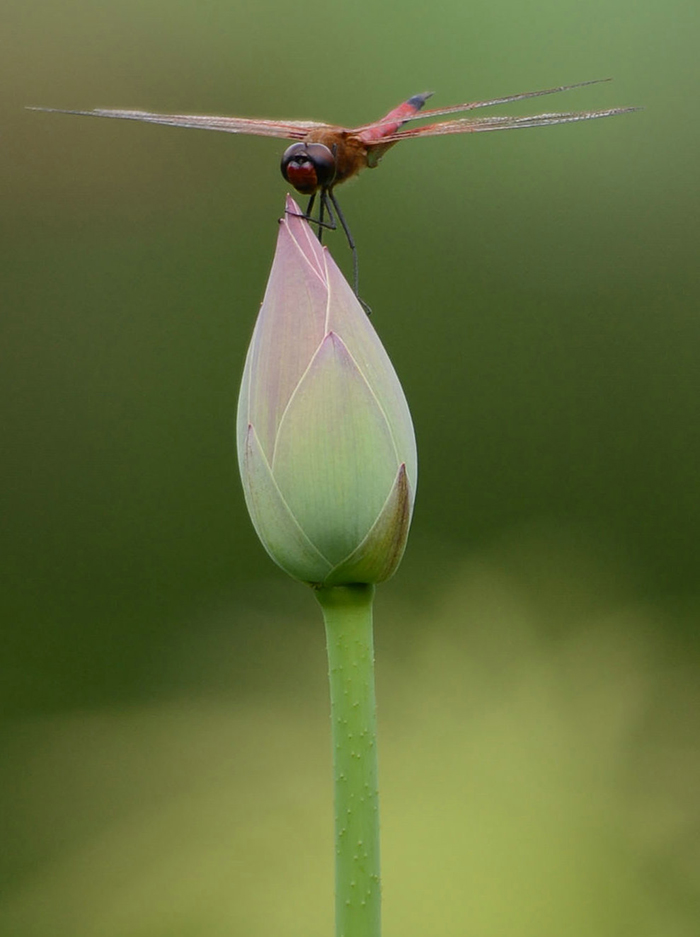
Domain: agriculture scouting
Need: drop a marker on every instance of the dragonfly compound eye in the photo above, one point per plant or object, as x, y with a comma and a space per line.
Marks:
308, 167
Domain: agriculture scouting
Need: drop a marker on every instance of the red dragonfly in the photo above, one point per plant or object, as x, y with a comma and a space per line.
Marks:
326, 155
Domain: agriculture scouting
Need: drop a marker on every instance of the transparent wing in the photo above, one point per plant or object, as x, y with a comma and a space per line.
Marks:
473, 105
288, 129
476, 124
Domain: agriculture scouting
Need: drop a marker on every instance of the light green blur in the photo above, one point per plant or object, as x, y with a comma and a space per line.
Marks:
538, 773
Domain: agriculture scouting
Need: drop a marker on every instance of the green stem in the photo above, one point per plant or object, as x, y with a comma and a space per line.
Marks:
347, 611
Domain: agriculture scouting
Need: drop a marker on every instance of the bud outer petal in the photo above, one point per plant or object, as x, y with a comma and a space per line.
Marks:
335, 455
374, 363
274, 523
379, 554
286, 334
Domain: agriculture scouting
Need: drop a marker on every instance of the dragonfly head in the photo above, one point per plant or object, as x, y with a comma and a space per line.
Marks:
308, 167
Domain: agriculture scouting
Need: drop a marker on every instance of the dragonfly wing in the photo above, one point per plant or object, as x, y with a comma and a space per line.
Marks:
476, 124
288, 129
473, 105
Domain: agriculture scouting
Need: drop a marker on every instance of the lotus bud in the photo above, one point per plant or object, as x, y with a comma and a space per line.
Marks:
326, 447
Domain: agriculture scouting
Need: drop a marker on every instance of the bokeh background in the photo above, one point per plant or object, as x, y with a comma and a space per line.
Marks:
165, 739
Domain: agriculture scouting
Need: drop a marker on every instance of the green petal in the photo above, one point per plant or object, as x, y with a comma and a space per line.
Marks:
275, 524
379, 554
335, 459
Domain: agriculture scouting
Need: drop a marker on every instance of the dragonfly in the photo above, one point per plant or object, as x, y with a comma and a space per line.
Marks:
326, 155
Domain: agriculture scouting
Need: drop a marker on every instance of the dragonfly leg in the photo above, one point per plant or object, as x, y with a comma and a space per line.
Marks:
353, 248
306, 215
317, 221
321, 212
328, 202
331, 224
310, 207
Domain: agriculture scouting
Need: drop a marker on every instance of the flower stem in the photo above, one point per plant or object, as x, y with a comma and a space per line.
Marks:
347, 611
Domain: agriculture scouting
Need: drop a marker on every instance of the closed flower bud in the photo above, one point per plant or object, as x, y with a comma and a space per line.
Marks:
325, 441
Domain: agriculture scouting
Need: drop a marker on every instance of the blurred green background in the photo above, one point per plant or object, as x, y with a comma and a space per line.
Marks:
165, 749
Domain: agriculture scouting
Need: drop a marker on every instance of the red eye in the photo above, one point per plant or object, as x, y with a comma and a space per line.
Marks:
308, 167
